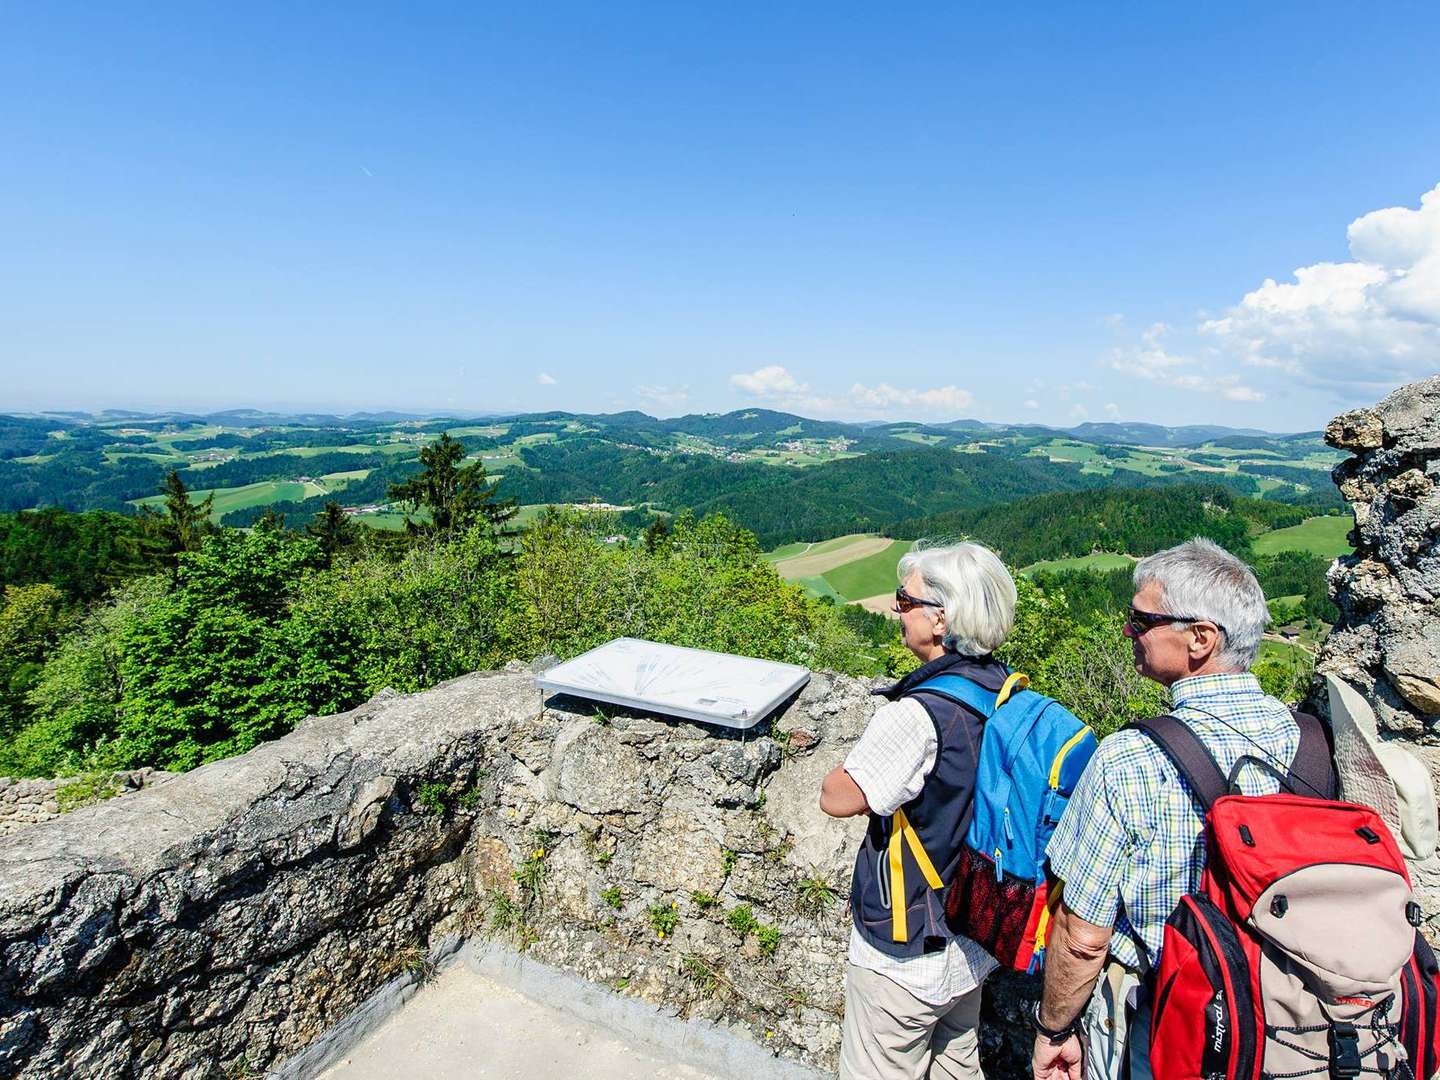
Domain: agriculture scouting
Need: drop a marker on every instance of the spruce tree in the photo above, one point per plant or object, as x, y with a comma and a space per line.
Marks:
457, 496
184, 523
333, 529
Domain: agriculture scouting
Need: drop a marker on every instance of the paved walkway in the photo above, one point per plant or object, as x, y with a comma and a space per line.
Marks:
463, 1024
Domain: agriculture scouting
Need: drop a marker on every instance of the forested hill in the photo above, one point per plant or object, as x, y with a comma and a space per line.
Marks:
877, 492
1136, 521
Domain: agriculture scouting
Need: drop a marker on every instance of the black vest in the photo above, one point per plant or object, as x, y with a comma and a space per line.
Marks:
938, 816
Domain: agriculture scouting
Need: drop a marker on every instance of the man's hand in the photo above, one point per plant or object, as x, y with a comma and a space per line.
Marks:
1052, 1062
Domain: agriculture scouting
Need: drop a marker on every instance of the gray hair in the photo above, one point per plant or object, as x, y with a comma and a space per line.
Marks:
976, 589
1201, 580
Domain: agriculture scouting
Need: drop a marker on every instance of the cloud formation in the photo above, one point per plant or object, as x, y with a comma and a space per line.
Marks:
670, 397
1151, 361
776, 385
884, 398
1366, 324
768, 382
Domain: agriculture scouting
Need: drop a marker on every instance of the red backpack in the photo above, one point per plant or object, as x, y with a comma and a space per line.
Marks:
1299, 957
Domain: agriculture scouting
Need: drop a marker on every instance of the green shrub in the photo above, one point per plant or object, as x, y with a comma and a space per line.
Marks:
663, 918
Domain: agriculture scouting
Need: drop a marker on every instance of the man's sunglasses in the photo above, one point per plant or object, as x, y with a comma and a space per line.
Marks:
904, 602
1138, 622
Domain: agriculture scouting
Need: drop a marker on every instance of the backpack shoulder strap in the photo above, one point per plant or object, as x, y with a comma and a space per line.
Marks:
1313, 770
1187, 753
959, 689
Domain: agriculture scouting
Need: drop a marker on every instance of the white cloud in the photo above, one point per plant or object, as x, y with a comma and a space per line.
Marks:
768, 382
670, 397
546, 380
1366, 324
1151, 361
887, 398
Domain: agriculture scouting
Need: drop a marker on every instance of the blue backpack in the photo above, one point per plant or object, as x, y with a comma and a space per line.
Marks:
1032, 753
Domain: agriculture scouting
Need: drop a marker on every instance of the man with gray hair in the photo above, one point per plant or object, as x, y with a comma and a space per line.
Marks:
1130, 844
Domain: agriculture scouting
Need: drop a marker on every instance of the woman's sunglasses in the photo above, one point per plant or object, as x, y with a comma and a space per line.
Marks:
904, 602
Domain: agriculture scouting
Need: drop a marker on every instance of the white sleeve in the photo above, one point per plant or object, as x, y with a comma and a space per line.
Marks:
894, 755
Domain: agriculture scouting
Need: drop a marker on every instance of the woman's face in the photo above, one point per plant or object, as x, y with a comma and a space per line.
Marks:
922, 628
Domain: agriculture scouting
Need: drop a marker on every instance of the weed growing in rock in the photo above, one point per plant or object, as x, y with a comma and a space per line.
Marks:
703, 900
769, 938
432, 796
699, 971
816, 894
89, 788
611, 896
531, 875
504, 913
742, 920
664, 918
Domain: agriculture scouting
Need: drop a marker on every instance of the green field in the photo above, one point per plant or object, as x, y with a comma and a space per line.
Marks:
1099, 561
785, 552
242, 498
870, 576
1318, 535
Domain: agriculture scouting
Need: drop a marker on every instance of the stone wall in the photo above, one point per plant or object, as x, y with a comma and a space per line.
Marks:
29, 802
216, 924
1387, 642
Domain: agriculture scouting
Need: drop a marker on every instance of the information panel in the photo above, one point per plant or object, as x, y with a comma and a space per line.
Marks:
716, 688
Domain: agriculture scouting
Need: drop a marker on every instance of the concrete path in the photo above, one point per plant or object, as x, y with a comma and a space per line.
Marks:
462, 1024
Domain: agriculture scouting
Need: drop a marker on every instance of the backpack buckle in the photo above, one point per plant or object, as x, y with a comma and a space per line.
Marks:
1345, 1061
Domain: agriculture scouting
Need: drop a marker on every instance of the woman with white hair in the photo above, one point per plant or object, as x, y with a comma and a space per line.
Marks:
912, 987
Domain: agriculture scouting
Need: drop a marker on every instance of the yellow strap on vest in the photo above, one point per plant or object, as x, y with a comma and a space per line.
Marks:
1015, 682
902, 833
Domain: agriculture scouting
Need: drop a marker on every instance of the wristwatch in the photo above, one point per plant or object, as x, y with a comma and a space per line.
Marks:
1054, 1036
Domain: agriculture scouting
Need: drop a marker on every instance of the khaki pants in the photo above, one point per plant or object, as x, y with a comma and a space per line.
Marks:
1116, 1027
890, 1034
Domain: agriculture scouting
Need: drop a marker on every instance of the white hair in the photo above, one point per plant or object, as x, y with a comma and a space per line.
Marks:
1201, 580
976, 590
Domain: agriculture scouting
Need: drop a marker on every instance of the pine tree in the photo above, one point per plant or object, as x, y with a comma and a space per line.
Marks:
457, 496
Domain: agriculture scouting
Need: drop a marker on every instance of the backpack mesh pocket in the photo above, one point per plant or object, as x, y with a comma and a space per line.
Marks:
997, 914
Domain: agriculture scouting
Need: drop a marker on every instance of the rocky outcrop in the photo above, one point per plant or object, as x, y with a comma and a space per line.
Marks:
1388, 639
216, 924
1387, 642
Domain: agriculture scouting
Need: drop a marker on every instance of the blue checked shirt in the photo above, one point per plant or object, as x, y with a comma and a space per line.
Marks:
1131, 841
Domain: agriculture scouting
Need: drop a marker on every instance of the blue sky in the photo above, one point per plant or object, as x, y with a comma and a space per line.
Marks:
1058, 213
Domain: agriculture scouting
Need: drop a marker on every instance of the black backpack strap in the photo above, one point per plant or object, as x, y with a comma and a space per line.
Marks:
1187, 753
1313, 770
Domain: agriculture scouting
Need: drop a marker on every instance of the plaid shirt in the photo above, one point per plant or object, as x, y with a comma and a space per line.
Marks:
1131, 841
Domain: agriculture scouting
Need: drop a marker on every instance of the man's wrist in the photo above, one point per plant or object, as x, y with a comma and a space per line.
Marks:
1054, 1036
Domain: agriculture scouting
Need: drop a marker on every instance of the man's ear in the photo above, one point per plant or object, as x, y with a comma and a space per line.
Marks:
1204, 640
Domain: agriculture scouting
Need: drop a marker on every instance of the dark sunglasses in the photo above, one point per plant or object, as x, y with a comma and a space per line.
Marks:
1138, 622
904, 602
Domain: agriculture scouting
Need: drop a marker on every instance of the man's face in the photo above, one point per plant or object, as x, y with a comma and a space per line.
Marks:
1161, 653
